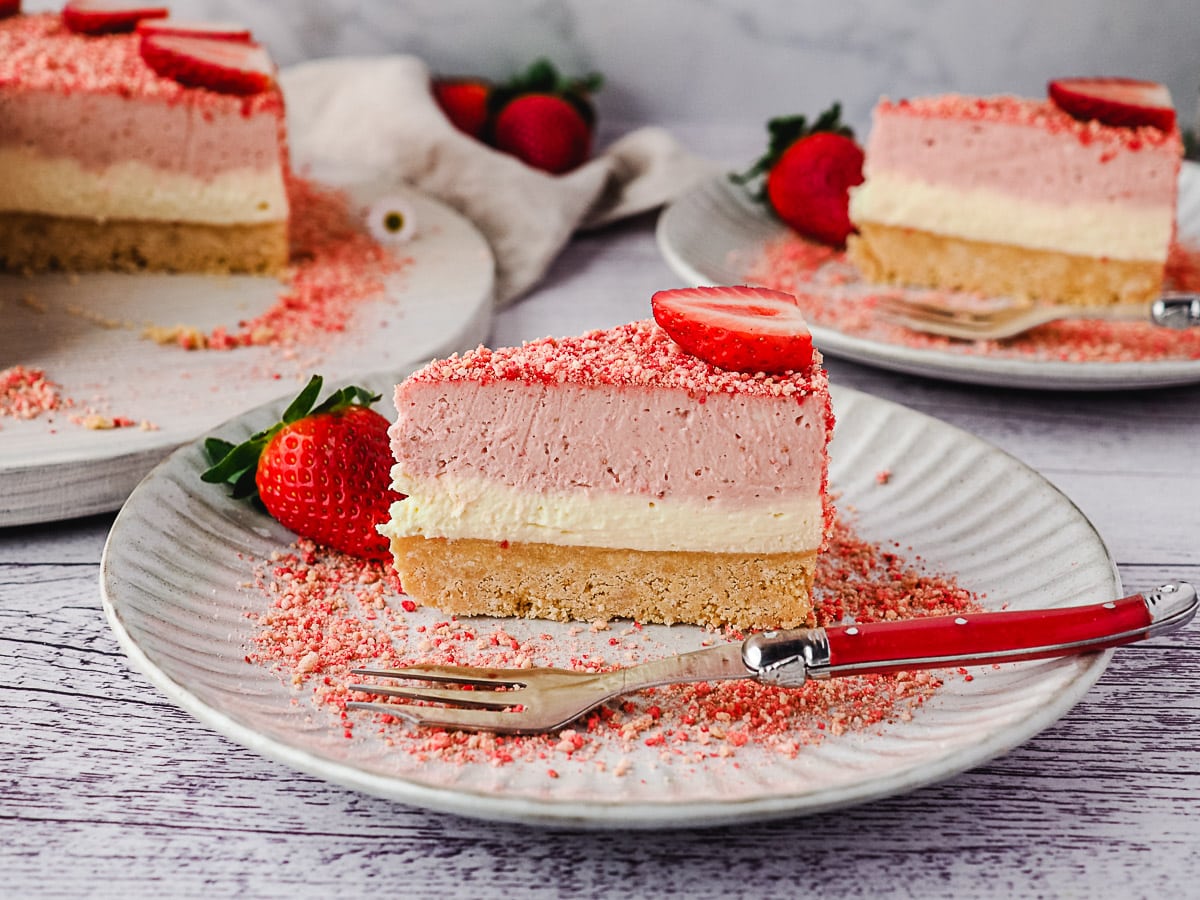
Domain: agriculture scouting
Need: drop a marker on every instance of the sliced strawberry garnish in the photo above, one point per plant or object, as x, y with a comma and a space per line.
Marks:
1123, 102
9, 8
228, 67
215, 31
744, 329
107, 16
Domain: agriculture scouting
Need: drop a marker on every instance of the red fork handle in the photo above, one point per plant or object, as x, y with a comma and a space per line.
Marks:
992, 637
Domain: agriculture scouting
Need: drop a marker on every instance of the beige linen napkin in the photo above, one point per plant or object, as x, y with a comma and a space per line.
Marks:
377, 118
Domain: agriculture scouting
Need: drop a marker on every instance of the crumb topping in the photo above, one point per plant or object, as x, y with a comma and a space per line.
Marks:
1042, 114
336, 266
26, 393
38, 52
639, 354
321, 614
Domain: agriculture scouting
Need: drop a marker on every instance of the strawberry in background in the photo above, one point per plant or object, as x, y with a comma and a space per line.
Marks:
809, 170
541, 117
465, 103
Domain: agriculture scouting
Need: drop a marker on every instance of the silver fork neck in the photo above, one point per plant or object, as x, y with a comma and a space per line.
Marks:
787, 658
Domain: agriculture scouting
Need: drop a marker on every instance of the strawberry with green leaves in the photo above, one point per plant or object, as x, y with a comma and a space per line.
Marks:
809, 170
544, 119
323, 471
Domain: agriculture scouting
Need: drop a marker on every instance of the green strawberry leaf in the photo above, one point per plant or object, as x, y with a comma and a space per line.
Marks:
235, 461
299, 408
237, 464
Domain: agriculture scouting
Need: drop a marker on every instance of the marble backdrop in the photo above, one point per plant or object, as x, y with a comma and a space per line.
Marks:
734, 63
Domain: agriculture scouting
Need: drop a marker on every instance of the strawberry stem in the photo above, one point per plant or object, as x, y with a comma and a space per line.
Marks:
237, 464
785, 131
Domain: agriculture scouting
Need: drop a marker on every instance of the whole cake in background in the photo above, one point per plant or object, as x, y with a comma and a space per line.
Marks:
618, 474
129, 141
1070, 199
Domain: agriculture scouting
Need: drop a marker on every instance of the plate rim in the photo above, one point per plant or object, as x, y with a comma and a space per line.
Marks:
966, 368
601, 815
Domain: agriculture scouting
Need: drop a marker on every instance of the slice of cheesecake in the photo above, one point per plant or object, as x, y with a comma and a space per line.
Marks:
609, 475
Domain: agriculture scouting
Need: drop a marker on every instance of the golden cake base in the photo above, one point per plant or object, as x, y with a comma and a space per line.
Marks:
548, 581
888, 254
31, 242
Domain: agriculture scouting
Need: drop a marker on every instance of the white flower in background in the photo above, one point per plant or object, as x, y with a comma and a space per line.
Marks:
392, 220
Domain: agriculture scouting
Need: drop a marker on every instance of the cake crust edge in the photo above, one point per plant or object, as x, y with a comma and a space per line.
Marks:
889, 254
31, 242
470, 577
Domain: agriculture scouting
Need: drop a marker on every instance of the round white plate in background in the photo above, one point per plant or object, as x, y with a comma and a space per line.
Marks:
714, 234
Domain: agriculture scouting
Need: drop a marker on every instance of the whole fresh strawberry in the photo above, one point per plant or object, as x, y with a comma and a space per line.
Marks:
543, 119
465, 103
323, 471
809, 172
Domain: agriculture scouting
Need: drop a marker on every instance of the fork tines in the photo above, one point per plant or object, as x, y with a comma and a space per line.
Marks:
481, 696
964, 315
477, 688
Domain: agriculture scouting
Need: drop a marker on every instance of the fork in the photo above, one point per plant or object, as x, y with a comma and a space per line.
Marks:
531, 701
995, 321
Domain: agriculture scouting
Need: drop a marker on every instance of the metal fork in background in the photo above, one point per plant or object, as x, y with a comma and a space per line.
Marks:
993, 321
530, 701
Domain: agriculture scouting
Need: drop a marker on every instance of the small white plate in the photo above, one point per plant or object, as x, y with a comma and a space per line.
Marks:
176, 564
86, 333
715, 233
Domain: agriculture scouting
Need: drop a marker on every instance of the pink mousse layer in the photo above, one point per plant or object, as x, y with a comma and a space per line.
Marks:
94, 99
619, 411
1025, 148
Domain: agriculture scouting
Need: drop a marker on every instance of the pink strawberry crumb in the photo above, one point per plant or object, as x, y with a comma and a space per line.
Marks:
322, 614
336, 266
27, 393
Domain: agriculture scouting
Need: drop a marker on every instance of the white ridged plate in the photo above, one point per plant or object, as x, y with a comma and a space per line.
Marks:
177, 553
714, 233
51, 469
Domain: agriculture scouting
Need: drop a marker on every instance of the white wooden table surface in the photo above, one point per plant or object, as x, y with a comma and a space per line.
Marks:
107, 789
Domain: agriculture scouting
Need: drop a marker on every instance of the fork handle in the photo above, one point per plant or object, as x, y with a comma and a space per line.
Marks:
1176, 310
969, 639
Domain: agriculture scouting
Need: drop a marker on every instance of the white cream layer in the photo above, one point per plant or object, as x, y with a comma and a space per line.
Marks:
1081, 229
31, 183
450, 507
